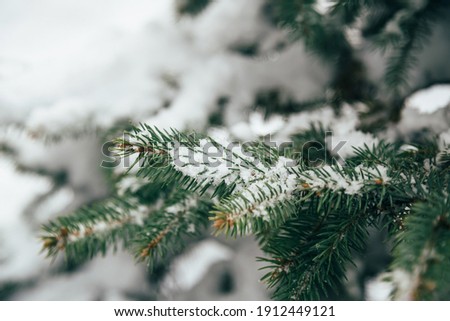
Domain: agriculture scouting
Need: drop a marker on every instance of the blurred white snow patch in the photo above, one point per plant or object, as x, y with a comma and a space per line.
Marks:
190, 268
414, 120
294, 74
262, 127
354, 35
378, 290
408, 148
19, 189
200, 89
19, 247
243, 131
395, 285
257, 126
302, 121
79, 158
110, 277
82, 66
221, 135
239, 24
345, 136
348, 120
54, 205
33, 32
20, 257
343, 144
430, 99
54, 51
323, 6
57, 117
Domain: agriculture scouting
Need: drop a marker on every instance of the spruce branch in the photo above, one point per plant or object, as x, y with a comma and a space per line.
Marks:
93, 229
350, 10
175, 157
182, 216
320, 35
415, 28
423, 250
266, 198
309, 220
314, 264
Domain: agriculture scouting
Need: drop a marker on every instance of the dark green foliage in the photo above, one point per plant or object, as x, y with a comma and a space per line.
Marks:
444, 160
77, 235
349, 10
423, 249
191, 7
415, 29
8, 288
246, 49
311, 148
181, 217
315, 264
310, 234
320, 35
273, 101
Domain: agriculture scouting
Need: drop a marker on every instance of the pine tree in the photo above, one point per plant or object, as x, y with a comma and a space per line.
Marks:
310, 208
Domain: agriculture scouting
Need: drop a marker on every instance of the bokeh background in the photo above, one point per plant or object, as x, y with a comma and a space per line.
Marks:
72, 70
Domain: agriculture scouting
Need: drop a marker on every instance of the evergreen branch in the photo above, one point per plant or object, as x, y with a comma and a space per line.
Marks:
310, 217
321, 36
350, 10
315, 263
199, 164
309, 250
416, 29
92, 229
182, 216
266, 197
423, 250
309, 220
313, 141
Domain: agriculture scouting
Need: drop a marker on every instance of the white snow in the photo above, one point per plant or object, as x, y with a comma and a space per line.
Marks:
197, 261
323, 6
257, 126
430, 99
378, 290
17, 237
333, 177
104, 278
55, 205
208, 164
75, 60
379, 172
342, 133
394, 285
415, 121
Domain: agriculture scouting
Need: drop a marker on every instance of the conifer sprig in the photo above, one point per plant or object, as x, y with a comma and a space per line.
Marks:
422, 250
310, 220
93, 229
